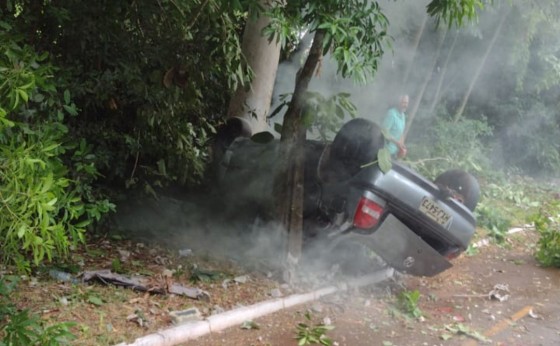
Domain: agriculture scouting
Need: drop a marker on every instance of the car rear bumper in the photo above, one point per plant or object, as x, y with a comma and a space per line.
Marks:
399, 247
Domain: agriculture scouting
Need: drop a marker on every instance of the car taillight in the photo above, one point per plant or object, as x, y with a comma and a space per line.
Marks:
452, 253
367, 214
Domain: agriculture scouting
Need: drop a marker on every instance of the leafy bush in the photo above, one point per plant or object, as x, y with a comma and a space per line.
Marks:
547, 223
149, 87
444, 143
46, 198
21, 327
493, 220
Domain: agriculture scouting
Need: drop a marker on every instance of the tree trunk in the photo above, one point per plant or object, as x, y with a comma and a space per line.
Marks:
480, 66
420, 95
437, 94
416, 44
252, 102
289, 184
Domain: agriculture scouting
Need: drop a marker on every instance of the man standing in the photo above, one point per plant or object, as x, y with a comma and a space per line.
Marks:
394, 124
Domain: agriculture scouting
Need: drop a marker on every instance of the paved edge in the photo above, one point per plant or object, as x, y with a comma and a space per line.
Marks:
190, 331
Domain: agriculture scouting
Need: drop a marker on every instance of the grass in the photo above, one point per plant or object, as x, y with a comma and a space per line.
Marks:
106, 314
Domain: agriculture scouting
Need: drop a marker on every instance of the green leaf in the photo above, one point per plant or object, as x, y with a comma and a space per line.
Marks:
384, 158
70, 109
21, 231
24, 96
82, 224
67, 96
95, 300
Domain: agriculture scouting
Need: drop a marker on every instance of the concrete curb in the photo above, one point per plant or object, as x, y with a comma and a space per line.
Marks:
190, 331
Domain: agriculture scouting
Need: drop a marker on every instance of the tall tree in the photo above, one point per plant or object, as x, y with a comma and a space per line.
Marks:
480, 66
441, 75
251, 101
410, 61
353, 32
418, 97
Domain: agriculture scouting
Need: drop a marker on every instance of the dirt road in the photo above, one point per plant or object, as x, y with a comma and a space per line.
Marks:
455, 305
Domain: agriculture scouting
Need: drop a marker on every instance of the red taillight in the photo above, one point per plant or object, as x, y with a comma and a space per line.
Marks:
452, 253
367, 214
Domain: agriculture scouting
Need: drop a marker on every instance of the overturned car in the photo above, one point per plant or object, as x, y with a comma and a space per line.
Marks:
415, 225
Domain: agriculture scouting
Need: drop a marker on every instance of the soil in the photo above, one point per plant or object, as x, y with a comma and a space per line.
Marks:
454, 307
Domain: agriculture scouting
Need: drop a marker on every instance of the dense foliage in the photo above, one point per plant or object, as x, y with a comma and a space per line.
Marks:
147, 84
515, 96
98, 96
46, 195
547, 223
113, 90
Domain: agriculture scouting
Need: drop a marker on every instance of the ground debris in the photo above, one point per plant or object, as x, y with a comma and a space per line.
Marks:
144, 284
499, 292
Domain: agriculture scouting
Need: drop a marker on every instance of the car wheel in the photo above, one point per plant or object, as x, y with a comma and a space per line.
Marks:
355, 144
461, 186
233, 128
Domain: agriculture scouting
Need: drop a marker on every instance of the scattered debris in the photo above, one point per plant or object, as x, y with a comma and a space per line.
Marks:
500, 292
204, 275
250, 325
185, 252
533, 314
124, 255
183, 316
217, 310
241, 279
461, 329
63, 276
317, 307
139, 318
225, 283
168, 273
276, 293
143, 283
496, 293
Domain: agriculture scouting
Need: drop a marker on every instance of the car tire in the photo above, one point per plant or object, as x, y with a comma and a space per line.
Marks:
355, 144
233, 128
460, 185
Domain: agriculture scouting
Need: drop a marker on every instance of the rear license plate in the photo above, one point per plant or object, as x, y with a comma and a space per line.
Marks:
434, 211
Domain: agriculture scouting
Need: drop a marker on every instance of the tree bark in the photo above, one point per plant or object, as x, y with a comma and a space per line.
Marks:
252, 102
289, 184
461, 108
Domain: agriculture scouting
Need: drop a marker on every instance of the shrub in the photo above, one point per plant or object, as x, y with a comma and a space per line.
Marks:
547, 223
46, 198
22, 327
447, 143
493, 220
